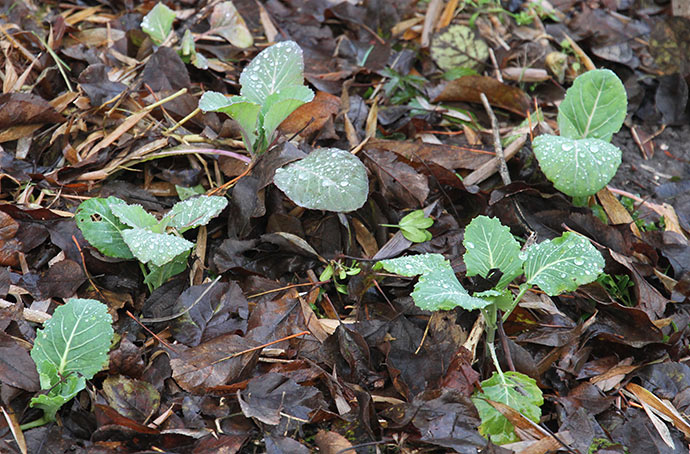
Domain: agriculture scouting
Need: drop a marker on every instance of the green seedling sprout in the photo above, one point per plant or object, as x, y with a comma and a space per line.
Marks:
338, 271
414, 226
272, 88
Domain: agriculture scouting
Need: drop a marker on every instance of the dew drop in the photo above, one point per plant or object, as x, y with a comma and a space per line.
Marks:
579, 262
567, 146
469, 245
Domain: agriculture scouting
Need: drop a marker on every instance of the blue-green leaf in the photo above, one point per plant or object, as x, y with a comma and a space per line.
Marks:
239, 108
158, 23
101, 228
441, 290
158, 248
578, 168
414, 265
59, 394
75, 340
158, 275
133, 215
437, 288
513, 389
281, 104
328, 179
563, 264
594, 107
273, 69
194, 212
489, 244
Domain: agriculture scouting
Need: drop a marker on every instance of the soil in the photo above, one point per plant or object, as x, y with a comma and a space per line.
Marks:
641, 175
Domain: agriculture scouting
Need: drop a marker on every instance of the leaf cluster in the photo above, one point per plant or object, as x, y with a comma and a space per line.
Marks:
581, 161
514, 389
272, 88
414, 226
70, 349
554, 266
125, 231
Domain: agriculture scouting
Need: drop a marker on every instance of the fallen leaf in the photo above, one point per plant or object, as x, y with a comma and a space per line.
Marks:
468, 88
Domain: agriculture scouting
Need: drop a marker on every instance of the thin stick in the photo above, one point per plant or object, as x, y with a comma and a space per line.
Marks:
86, 272
426, 331
288, 287
151, 332
502, 166
183, 121
259, 347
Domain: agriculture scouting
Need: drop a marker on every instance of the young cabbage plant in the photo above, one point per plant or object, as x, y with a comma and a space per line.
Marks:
554, 266
338, 271
414, 226
581, 161
70, 349
272, 87
125, 231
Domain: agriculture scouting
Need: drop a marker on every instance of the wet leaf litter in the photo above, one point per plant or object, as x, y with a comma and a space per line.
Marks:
201, 235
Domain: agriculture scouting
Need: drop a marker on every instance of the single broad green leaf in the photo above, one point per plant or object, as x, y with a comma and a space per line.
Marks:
437, 288
226, 22
594, 107
194, 212
185, 193
101, 228
281, 104
274, 68
328, 179
563, 264
413, 265
158, 248
58, 395
159, 275
458, 46
416, 235
514, 389
239, 108
199, 61
441, 290
577, 168
133, 215
75, 340
158, 23
416, 219
489, 244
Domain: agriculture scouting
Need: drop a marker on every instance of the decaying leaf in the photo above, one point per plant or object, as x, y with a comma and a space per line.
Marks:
458, 46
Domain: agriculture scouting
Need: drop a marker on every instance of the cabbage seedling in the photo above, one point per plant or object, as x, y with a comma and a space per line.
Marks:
70, 349
554, 266
581, 161
125, 231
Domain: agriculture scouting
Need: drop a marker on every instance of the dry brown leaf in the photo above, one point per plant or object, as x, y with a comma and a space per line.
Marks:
468, 88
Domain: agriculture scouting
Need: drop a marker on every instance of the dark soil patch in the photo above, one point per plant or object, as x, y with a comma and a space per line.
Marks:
670, 161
